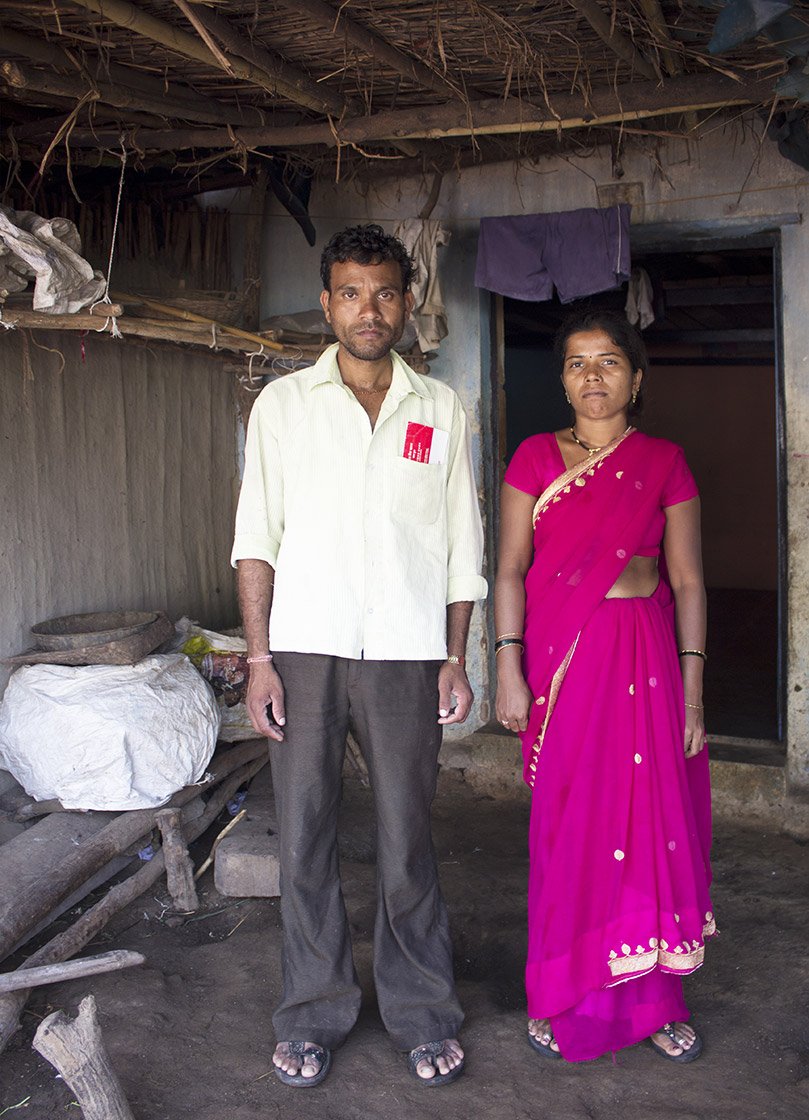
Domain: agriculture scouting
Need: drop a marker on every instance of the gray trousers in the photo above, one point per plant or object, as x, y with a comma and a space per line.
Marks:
391, 706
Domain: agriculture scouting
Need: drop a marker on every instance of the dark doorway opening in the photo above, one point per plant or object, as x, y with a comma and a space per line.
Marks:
713, 388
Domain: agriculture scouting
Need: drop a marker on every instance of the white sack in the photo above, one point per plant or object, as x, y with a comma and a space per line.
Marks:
108, 736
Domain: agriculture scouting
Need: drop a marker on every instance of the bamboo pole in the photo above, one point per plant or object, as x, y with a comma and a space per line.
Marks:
192, 317
631, 102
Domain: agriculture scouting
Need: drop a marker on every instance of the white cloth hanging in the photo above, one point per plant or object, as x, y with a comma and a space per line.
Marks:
639, 296
47, 251
422, 238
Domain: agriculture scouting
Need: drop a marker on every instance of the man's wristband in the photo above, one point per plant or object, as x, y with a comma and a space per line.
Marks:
453, 659
260, 657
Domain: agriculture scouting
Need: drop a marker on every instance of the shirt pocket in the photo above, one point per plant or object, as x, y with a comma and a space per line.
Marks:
418, 492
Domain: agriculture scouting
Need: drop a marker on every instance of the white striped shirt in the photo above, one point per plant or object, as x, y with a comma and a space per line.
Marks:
368, 546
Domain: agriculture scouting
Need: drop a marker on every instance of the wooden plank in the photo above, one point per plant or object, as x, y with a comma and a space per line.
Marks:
68, 970
619, 44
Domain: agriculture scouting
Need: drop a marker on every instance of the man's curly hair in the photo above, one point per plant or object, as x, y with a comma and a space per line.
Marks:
367, 244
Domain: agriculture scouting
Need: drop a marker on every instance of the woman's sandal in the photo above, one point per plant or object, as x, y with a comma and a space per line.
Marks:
431, 1051
303, 1051
689, 1055
543, 1048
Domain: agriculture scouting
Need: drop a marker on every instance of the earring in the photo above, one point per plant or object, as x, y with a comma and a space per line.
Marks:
635, 396
567, 398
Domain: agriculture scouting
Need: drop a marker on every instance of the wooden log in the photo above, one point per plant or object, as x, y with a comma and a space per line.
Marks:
604, 106
19, 915
167, 99
179, 868
74, 1048
68, 970
284, 80
619, 44
338, 23
81, 933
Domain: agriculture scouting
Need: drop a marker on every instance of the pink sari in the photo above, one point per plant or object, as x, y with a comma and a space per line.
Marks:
618, 904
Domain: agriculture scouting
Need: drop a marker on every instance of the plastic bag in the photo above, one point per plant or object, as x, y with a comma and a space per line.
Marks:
108, 736
222, 660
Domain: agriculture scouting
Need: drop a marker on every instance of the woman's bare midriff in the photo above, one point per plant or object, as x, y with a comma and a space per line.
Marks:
638, 579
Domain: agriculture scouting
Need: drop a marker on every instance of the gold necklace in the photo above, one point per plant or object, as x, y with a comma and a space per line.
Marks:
594, 450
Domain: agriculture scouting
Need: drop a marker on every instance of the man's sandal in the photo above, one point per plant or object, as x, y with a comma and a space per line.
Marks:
689, 1055
432, 1051
302, 1050
543, 1048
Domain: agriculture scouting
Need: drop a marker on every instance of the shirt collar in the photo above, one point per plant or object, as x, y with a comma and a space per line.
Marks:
404, 380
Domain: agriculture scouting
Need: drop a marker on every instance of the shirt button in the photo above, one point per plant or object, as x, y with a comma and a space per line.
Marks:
370, 610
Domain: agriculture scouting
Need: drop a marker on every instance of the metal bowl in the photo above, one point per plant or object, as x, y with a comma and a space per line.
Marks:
77, 631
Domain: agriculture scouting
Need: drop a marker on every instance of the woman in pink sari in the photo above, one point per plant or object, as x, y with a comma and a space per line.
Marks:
600, 650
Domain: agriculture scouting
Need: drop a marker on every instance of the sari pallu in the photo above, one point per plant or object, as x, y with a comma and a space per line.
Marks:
618, 891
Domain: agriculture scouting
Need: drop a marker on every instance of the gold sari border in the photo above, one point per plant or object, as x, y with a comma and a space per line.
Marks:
562, 484
683, 959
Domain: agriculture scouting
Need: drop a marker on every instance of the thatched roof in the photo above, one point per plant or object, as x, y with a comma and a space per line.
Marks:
369, 84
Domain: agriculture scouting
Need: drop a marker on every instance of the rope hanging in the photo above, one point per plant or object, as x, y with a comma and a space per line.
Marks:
115, 329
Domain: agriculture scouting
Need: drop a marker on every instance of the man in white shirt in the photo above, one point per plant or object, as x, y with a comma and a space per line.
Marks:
358, 546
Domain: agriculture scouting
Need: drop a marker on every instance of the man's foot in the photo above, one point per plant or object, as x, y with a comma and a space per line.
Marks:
301, 1063
540, 1036
678, 1042
437, 1063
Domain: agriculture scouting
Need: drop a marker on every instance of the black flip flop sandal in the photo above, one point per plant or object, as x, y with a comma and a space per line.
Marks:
689, 1055
303, 1051
432, 1050
541, 1048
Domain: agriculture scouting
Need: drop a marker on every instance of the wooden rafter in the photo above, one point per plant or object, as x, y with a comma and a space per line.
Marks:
125, 86
635, 101
282, 80
619, 43
373, 44
657, 22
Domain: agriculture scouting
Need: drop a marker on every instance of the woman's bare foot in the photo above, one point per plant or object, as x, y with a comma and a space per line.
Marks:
293, 1064
684, 1039
540, 1031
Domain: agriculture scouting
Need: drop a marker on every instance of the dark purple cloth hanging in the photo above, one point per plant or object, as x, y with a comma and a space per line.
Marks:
580, 251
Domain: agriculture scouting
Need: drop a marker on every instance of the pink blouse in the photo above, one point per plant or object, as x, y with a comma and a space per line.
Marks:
538, 461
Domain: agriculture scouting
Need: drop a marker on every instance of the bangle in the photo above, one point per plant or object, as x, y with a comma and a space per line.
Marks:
261, 657
500, 637
696, 707
502, 643
453, 659
693, 653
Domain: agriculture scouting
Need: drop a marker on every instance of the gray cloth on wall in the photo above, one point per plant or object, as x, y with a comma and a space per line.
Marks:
422, 239
581, 252
47, 251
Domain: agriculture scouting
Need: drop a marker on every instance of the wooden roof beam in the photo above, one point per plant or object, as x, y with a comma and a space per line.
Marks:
657, 22
280, 79
604, 106
618, 43
124, 83
371, 43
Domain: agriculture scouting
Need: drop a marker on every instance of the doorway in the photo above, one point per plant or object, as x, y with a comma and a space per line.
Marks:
714, 389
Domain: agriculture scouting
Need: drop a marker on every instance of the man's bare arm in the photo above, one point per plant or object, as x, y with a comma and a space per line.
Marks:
255, 580
452, 679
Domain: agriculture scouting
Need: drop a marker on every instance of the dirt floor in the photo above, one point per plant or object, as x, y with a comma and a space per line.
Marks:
190, 1032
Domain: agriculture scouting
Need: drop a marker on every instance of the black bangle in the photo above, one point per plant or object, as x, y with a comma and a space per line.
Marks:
503, 642
693, 653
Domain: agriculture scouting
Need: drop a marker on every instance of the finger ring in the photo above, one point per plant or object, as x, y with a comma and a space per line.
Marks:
504, 722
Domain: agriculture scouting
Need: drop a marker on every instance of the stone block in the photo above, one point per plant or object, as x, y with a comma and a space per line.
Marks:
246, 863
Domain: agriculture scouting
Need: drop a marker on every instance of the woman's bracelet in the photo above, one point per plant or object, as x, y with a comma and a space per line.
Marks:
502, 637
503, 643
693, 653
696, 707
260, 657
